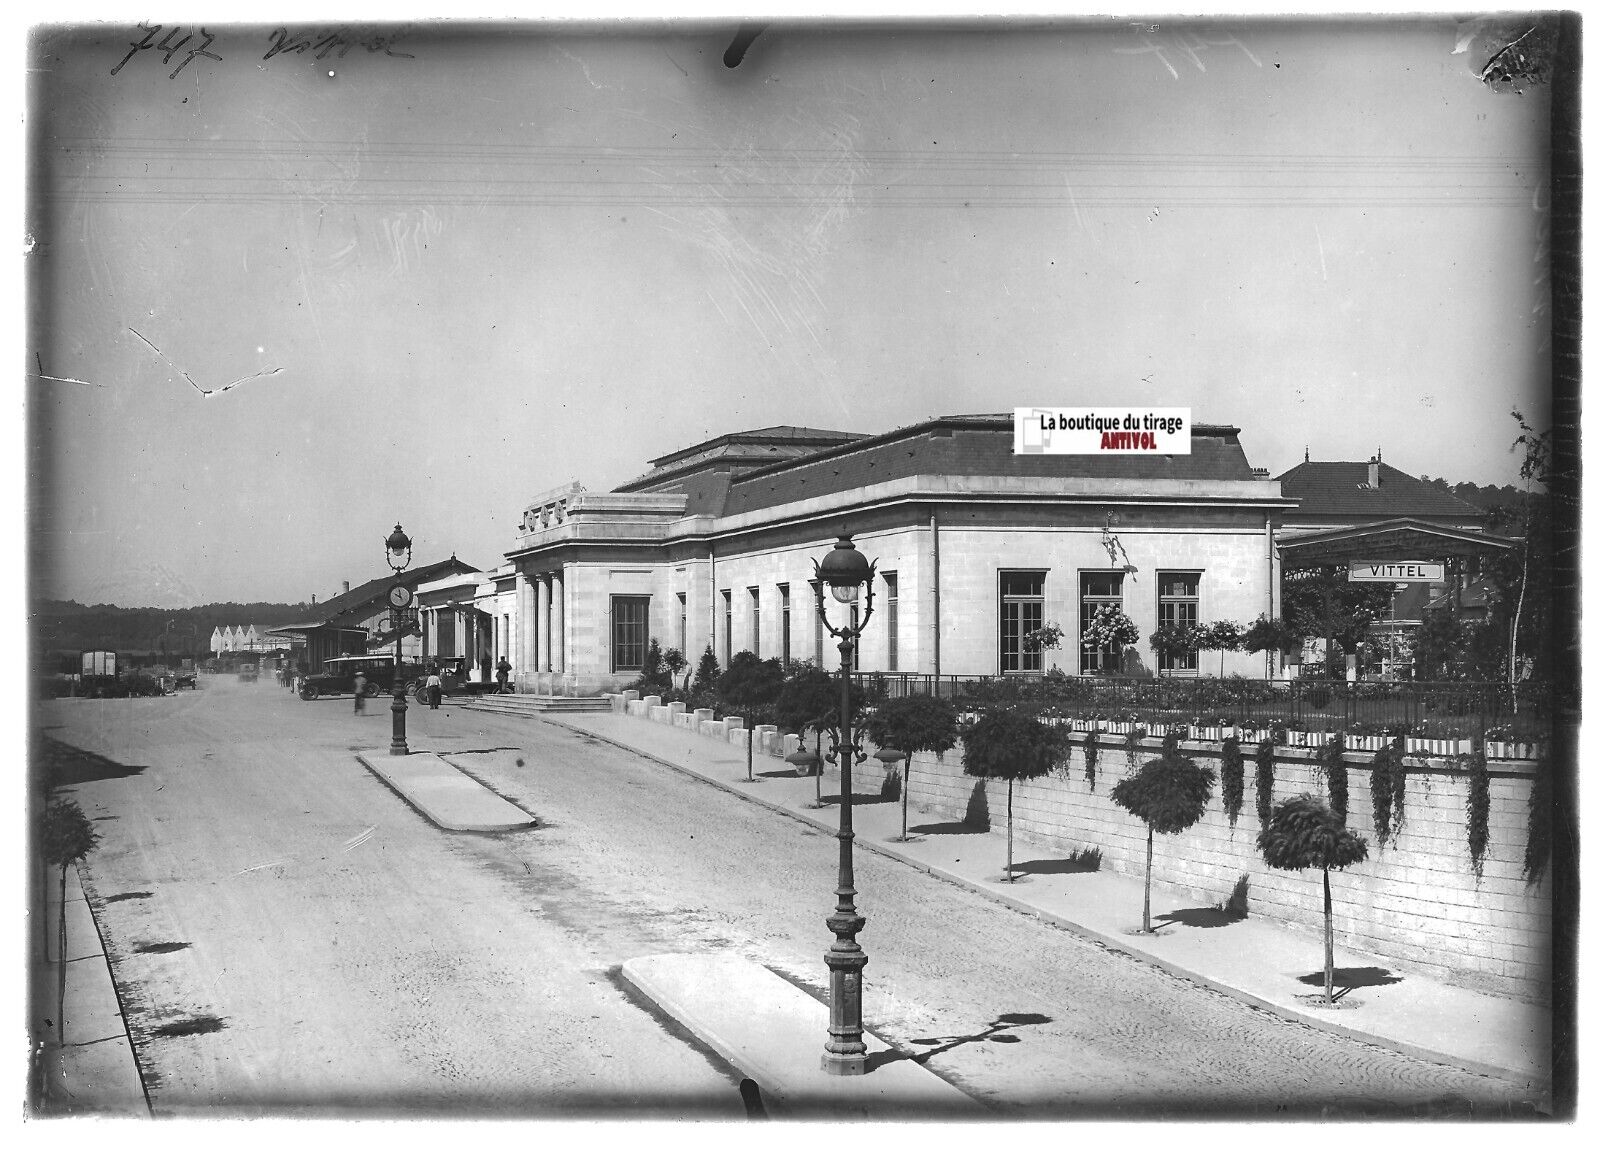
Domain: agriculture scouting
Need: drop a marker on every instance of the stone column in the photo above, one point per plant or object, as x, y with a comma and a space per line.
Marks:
541, 661
558, 623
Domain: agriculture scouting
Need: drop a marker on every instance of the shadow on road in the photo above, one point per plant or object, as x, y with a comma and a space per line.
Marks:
64, 766
1205, 917
943, 829
996, 1031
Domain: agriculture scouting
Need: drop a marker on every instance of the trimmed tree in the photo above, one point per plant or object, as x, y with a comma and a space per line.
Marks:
1304, 833
1009, 745
67, 840
809, 700
911, 724
750, 687
1168, 794
1222, 636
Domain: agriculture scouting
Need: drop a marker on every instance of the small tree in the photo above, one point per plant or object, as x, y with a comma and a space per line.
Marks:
1175, 640
675, 663
750, 686
708, 671
1112, 632
67, 840
1304, 833
1272, 635
911, 724
1222, 636
1168, 794
1009, 745
809, 700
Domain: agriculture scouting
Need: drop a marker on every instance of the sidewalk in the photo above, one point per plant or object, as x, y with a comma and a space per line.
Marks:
1259, 962
95, 1072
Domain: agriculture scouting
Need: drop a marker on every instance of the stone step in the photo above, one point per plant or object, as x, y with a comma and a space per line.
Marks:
535, 704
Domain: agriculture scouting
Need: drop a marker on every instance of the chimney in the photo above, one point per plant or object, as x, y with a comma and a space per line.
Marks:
1372, 473
347, 586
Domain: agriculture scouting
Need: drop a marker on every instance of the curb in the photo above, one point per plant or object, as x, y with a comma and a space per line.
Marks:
1398, 1046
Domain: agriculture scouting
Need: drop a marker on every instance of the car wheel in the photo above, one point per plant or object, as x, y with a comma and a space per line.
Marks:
308, 693
371, 689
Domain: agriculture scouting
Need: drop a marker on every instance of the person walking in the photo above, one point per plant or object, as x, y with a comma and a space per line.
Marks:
435, 688
361, 692
502, 672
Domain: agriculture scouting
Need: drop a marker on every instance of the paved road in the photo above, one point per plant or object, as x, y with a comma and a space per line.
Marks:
402, 966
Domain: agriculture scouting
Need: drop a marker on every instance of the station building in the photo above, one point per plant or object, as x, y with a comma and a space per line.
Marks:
975, 546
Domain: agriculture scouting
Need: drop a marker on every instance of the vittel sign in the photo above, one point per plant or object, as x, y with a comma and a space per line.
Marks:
1405, 572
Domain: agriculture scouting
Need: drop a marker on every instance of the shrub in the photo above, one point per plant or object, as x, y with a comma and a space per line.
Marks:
708, 671
1330, 763
1388, 790
1232, 779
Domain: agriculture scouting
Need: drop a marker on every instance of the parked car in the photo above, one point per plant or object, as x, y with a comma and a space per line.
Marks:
454, 676
247, 672
338, 676
185, 679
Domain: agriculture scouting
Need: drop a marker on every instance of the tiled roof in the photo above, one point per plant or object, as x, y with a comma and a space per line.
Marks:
702, 472
1340, 489
374, 590
973, 445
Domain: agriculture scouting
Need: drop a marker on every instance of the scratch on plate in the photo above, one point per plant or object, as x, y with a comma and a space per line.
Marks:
351, 844
1320, 256
207, 392
262, 866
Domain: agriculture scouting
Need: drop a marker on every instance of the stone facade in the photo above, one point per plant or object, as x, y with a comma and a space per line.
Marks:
700, 551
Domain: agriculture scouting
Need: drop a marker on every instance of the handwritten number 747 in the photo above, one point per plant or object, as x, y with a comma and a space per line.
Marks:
168, 49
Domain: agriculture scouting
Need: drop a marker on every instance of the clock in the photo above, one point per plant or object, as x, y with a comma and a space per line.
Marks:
400, 595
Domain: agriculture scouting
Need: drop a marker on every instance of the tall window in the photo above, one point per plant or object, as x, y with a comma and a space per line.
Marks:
630, 631
1021, 611
1097, 589
727, 629
1178, 604
783, 600
816, 621
755, 621
891, 590
683, 622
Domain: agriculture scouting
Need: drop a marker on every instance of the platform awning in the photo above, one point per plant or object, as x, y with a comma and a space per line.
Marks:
1390, 541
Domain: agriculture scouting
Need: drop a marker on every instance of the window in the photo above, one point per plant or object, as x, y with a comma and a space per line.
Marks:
783, 600
727, 629
816, 607
630, 631
891, 590
1097, 589
683, 622
1178, 604
755, 621
1021, 612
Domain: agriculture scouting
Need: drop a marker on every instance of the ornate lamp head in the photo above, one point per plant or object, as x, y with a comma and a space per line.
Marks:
399, 547
844, 571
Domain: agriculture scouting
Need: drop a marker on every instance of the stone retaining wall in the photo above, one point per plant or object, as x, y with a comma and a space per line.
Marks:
1416, 900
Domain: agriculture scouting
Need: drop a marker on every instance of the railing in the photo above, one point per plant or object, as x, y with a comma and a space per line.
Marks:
1437, 709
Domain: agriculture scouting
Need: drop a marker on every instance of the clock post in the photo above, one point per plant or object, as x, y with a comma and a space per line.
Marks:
399, 547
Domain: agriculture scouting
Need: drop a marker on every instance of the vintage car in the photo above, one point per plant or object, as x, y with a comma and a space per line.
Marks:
338, 676
247, 672
456, 679
182, 679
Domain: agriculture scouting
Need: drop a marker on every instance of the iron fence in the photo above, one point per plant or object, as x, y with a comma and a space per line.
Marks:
1433, 709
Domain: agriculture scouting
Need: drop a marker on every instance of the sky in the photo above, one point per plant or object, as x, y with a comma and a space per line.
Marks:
277, 303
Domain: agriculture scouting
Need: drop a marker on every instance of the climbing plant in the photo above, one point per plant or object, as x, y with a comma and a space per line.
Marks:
1477, 808
1388, 790
1232, 779
1264, 772
1091, 756
1330, 764
1536, 855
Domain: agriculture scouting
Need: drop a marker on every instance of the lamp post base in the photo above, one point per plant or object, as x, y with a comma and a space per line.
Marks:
397, 711
844, 1065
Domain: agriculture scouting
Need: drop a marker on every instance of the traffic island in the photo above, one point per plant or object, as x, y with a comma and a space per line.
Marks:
772, 1032
444, 795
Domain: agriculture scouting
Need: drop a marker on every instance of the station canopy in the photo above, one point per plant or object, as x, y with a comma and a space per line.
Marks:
1392, 541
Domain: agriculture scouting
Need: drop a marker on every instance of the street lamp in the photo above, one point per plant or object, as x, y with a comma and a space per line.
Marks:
844, 570
399, 548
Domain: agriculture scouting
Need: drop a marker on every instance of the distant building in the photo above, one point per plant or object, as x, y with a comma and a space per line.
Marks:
347, 623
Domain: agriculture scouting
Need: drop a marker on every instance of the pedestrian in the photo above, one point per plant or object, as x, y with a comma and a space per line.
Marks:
502, 672
361, 692
435, 688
